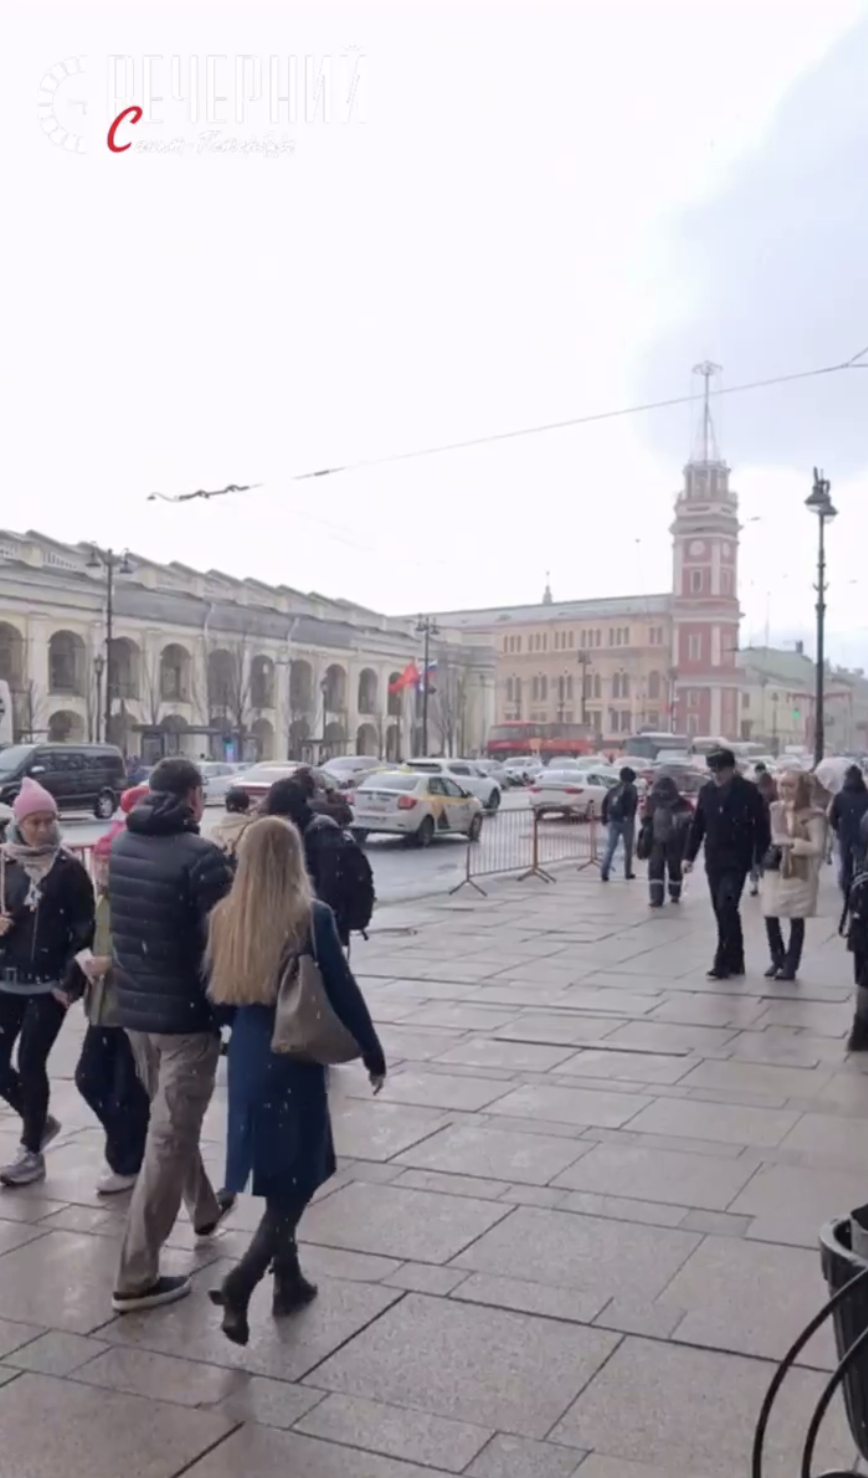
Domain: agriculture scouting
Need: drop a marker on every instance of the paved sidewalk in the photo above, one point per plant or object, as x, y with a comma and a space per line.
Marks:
574, 1234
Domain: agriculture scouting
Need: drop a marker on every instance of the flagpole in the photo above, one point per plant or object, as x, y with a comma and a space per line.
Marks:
426, 626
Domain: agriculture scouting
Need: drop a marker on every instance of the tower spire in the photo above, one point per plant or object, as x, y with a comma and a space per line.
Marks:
705, 448
547, 593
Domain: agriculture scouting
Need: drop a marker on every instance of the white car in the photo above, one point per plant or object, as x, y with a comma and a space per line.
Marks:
573, 793
219, 777
415, 806
463, 772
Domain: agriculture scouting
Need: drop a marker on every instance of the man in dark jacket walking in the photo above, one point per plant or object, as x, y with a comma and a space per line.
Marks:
619, 814
164, 879
731, 818
845, 818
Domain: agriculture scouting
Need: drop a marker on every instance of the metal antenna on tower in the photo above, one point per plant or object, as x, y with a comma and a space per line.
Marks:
707, 438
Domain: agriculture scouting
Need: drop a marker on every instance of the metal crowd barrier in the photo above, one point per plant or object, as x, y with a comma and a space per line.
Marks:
521, 843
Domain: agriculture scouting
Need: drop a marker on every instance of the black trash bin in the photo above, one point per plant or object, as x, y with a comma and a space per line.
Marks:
840, 1266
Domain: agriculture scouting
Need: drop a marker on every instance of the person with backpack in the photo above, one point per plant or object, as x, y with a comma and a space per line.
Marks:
619, 814
767, 787
663, 838
848, 808
338, 868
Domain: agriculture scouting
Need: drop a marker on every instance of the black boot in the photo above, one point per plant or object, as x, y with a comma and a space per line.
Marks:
292, 1291
858, 1038
773, 969
236, 1291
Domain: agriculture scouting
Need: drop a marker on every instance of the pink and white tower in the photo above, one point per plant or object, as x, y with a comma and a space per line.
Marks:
705, 677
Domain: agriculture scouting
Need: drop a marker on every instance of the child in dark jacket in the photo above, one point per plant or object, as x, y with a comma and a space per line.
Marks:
106, 1074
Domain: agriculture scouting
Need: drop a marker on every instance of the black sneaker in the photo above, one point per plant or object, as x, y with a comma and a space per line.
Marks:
226, 1202
716, 974
164, 1291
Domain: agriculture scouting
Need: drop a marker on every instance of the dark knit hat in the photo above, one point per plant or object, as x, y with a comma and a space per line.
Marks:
721, 759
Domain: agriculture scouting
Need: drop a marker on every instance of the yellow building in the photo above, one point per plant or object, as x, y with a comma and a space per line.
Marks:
599, 666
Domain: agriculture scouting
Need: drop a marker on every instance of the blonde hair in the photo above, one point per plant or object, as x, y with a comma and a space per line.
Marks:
803, 799
266, 914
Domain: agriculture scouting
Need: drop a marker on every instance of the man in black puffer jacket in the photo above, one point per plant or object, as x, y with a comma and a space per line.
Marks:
164, 879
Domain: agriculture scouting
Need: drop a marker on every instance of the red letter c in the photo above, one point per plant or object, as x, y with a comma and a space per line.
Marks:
135, 114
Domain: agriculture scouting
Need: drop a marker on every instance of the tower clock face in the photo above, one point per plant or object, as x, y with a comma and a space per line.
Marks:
697, 547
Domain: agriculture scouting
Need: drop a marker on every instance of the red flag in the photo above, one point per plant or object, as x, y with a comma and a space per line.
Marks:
408, 677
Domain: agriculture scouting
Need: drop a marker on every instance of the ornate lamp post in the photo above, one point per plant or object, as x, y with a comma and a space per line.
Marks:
820, 502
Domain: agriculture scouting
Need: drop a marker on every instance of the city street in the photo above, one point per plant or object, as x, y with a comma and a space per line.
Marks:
401, 873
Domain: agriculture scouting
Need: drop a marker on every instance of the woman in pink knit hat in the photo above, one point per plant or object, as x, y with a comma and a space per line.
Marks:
46, 919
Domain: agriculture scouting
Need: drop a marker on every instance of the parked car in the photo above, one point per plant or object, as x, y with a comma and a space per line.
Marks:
493, 769
348, 781
415, 805
345, 766
462, 771
219, 776
79, 776
518, 771
576, 794
258, 779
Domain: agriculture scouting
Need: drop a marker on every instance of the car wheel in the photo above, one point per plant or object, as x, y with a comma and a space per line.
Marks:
360, 835
493, 802
475, 832
106, 805
425, 834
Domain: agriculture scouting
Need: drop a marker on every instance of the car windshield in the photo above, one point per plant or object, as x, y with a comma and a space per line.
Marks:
14, 756
391, 782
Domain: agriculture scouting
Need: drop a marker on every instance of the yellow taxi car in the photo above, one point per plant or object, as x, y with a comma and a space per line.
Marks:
415, 806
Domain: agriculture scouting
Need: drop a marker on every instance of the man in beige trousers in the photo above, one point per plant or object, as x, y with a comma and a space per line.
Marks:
164, 878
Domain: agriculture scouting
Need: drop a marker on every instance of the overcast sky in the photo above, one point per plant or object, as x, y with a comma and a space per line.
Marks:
523, 213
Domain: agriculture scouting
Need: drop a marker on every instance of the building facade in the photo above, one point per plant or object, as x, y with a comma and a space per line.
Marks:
201, 663
597, 666
778, 704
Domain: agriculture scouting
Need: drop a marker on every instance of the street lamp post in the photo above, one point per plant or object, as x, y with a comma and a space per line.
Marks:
820, 502
583, 658
107, 560
426, 627
98, 668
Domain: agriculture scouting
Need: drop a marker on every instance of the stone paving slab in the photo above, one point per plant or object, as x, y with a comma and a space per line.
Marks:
514, 1373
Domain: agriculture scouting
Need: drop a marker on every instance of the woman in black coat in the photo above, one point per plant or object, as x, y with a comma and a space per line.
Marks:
279, 1129
46, 919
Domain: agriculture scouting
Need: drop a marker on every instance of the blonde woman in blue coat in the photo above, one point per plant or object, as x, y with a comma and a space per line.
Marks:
279, 1130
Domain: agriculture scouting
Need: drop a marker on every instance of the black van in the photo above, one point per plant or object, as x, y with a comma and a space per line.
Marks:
79, 776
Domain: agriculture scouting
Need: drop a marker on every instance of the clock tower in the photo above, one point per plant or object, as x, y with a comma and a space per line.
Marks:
705, 682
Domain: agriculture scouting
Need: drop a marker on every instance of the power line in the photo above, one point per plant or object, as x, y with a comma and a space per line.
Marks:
498, 436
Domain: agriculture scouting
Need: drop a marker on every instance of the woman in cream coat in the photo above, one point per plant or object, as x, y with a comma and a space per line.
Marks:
789, 890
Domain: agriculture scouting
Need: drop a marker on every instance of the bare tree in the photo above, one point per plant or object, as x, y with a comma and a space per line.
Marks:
28, 710
227, 684
447, 701
152, 688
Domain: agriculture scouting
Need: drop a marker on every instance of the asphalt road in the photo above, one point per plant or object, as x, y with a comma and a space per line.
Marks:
400, 873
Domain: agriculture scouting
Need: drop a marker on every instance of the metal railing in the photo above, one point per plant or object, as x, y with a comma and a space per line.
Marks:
527, 845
